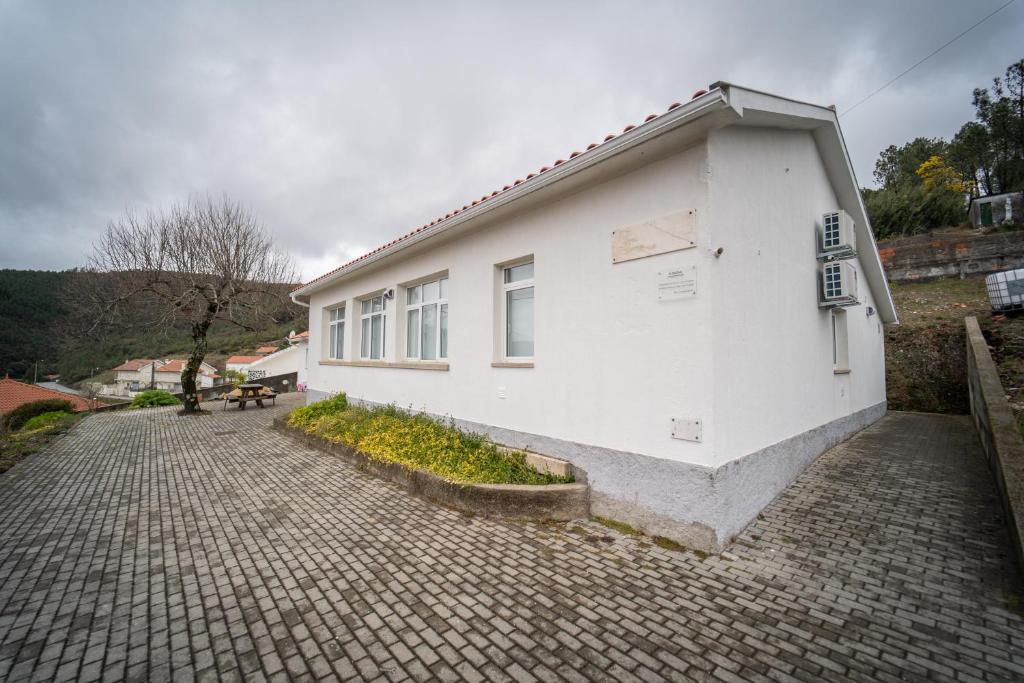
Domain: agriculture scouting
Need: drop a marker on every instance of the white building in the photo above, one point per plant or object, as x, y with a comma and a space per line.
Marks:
651, 308
141, 374
240, 363
283, 362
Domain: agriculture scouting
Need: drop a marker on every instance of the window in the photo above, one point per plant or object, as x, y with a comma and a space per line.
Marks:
840, 343
517, 294
372, 324
426, 320
336, 347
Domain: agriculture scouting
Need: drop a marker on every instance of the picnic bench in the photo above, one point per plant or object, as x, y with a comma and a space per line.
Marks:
246, 393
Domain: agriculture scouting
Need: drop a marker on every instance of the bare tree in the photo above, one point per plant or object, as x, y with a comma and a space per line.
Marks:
201, 262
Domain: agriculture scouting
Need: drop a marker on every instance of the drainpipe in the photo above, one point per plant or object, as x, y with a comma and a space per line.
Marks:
291, 296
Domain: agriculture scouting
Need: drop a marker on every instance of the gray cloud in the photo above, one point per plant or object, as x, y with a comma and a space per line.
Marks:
343, 125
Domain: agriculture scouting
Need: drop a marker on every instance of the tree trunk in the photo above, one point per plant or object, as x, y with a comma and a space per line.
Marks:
189, 387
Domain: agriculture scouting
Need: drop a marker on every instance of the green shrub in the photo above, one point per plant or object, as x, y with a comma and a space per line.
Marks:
45, 421
389, 434
307, 416
15, 419
153, 398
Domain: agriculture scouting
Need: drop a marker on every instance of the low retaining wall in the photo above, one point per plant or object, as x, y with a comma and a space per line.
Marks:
950, 254
997, 428
560, 502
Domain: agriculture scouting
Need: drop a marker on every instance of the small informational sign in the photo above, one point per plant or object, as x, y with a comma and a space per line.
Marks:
686, 429
659, 235
678, 283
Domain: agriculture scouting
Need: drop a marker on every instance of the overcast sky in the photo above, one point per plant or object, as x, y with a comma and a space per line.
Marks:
343, 125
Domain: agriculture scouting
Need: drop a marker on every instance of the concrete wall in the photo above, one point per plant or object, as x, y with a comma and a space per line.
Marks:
951, 254
998, 431
292, 359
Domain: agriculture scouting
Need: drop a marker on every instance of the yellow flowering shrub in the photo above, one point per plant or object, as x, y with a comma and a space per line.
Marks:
416, 441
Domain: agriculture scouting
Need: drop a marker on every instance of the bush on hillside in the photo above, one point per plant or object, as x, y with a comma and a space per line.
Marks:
45, 421
15, 419
153, 398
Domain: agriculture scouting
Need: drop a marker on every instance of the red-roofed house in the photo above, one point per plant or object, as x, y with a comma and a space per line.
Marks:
691, 311
264, 350
14, 393
141, 374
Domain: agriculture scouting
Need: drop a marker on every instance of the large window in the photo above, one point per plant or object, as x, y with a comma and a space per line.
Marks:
372, 321
517, 294
336, 349
426, 321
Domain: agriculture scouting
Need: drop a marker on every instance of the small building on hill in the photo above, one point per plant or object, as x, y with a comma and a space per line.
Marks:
14, 393
996, 209
283, 362
240, 363
140, 374
691, 311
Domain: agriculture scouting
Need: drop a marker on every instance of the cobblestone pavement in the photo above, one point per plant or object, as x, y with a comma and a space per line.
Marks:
143, 546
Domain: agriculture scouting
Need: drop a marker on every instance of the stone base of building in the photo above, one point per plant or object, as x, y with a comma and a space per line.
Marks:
698, 506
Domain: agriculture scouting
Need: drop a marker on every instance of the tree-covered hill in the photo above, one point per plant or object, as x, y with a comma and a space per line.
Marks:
36, 325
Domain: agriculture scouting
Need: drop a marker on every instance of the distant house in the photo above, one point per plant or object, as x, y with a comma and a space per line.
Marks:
997, 209
140, 374
264, 350
241, 363
14, 393
283, 362
691, 311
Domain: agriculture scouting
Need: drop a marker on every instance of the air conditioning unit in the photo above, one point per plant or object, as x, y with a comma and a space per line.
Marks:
838, 285
836, 239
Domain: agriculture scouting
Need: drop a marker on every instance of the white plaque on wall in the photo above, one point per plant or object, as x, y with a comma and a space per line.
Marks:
678, 283
660, 235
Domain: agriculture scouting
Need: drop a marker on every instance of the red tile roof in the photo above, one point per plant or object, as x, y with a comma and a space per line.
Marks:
518, 181
243, 359
266, 349
135, 364
14, 393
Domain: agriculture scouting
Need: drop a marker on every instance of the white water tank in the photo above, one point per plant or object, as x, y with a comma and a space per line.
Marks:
1006, 290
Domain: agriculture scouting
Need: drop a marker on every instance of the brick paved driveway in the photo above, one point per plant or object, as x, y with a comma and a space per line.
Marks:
143, 546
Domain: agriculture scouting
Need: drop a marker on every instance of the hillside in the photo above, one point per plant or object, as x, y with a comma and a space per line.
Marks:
33, 310
925, 353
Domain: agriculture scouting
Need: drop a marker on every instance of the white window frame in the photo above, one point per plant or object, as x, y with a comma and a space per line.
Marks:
336, 333
441, 302
507, 287
366, 330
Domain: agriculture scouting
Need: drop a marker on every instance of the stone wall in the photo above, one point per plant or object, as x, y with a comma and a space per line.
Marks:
952, 253
997, 428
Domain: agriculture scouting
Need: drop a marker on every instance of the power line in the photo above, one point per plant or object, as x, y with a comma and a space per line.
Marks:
930, 55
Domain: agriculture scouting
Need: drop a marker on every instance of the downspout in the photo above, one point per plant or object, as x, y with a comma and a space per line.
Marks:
291, 295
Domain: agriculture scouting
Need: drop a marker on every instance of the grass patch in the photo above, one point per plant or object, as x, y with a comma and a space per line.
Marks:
668, 544
36, 433
621, 527
417, 441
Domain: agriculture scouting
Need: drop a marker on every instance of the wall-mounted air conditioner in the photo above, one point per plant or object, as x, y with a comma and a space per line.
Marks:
836, 239
838, 284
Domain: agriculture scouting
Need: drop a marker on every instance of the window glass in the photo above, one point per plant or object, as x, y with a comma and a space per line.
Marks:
377, 304
366, 306
517, 273
428, 338
444, 288
430, 291
413, 333
519, 322
376, 336
444, 328
364, 339
413, 295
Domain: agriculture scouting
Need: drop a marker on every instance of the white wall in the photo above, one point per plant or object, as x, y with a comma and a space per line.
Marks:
292, 359
613, 364
773, 373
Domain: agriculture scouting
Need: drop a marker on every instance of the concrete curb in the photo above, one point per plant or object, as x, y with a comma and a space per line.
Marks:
997, 428
559, 502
